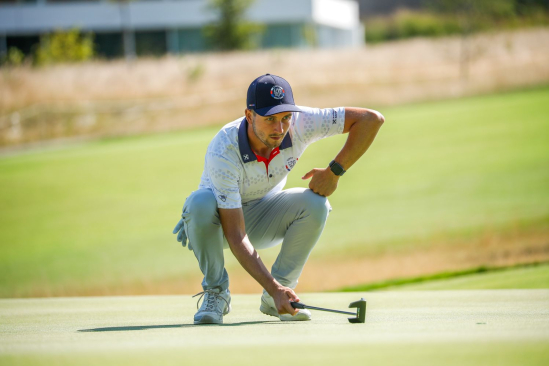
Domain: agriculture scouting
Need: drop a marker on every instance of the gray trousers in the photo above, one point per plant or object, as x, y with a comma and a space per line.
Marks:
295, 217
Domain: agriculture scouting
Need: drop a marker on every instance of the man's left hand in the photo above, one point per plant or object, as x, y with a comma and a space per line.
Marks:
323, 182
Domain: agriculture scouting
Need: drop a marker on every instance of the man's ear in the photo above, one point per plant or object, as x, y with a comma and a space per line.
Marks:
249, 115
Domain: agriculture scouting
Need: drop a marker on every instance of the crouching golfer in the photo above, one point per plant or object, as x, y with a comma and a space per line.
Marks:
240, 203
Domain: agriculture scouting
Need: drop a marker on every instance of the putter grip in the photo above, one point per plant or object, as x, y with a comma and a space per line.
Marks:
297, 305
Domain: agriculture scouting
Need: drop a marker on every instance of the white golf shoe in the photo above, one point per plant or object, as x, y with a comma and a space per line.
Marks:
216, 303
268, 308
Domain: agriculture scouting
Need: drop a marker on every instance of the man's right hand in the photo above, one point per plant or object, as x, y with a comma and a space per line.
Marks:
282, 298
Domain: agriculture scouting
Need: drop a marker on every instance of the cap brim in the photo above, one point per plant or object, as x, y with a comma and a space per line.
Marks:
269, 111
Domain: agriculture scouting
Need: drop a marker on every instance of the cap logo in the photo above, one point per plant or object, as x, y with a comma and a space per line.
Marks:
277, 92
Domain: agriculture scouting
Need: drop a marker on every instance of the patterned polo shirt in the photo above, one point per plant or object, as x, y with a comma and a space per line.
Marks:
236, 175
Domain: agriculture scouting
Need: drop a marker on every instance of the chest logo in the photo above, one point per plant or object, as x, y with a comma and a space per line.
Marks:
290, 163
277, 92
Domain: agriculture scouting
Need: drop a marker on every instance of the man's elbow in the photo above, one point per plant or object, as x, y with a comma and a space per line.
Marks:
376, 117
381, 118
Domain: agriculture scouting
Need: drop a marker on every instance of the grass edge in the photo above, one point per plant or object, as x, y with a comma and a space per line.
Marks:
437, 276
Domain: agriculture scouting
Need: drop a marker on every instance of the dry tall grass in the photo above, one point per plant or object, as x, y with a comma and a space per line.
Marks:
112, 98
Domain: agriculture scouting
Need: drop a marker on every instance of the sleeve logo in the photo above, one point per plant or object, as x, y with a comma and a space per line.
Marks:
222, 197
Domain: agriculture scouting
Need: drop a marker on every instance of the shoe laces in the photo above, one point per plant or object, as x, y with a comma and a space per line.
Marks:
211, 299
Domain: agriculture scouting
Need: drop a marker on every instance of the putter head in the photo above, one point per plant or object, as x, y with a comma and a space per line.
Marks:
360, 306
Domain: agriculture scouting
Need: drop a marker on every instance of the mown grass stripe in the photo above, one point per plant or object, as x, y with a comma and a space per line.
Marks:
437, 276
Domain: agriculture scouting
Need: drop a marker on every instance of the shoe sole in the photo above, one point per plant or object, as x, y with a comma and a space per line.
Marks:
206, 319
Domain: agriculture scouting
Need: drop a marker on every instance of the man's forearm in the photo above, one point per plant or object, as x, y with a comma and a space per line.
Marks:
232, 221
249, 259
361, 136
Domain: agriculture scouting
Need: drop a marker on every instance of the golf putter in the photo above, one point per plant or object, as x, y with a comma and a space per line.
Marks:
360, 305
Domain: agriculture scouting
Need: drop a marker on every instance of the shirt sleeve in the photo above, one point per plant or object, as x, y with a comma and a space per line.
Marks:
314, 124
224, 177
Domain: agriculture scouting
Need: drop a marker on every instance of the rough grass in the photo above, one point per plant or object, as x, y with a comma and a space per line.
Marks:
446, 186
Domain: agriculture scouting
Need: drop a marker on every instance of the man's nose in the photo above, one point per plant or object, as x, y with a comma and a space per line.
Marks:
279, 128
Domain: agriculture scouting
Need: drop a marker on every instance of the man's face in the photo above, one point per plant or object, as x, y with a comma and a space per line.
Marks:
270, 130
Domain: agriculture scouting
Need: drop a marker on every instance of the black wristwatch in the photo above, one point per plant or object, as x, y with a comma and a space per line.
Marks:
336, 168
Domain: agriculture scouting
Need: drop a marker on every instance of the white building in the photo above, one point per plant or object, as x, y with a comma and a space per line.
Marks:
174, 26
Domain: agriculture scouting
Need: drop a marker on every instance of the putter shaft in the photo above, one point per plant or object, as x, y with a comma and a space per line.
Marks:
298, 305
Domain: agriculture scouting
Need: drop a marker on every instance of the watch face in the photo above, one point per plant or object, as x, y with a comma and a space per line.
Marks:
336, 168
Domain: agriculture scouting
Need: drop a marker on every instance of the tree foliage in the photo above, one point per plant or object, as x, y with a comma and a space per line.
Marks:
475, 15
64, 46
14, 57
232, 31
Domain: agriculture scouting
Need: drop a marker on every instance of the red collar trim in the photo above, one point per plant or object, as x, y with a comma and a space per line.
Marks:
274, 153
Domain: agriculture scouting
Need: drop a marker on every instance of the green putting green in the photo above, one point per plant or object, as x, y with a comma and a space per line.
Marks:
486, 327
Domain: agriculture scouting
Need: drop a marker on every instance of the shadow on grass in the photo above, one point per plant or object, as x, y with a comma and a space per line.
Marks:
145, 327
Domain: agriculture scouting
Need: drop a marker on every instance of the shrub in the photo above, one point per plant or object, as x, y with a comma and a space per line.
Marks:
410, 24
447, 17
14, 57
407, 24
64, 46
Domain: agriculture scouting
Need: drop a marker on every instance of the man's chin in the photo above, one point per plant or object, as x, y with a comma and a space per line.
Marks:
276, 143
272, 143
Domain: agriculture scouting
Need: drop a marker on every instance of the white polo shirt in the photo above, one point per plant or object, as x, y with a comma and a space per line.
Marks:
236, 175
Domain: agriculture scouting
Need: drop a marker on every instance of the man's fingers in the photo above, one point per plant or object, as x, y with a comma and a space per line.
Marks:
288, 309
283, 305
292, 311
315, 190
293, 296
308, 175
178, 226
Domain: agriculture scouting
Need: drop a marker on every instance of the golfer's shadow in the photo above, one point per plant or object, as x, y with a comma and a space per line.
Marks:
145, 327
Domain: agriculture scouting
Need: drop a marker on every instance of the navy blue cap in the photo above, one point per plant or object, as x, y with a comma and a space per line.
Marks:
270, 94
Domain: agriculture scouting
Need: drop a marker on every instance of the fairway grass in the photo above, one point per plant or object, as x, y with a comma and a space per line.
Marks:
445, 186
499, 327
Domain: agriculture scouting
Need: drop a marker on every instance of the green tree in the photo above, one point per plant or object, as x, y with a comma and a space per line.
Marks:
473, 16
526, 7
232, 31
64, 46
